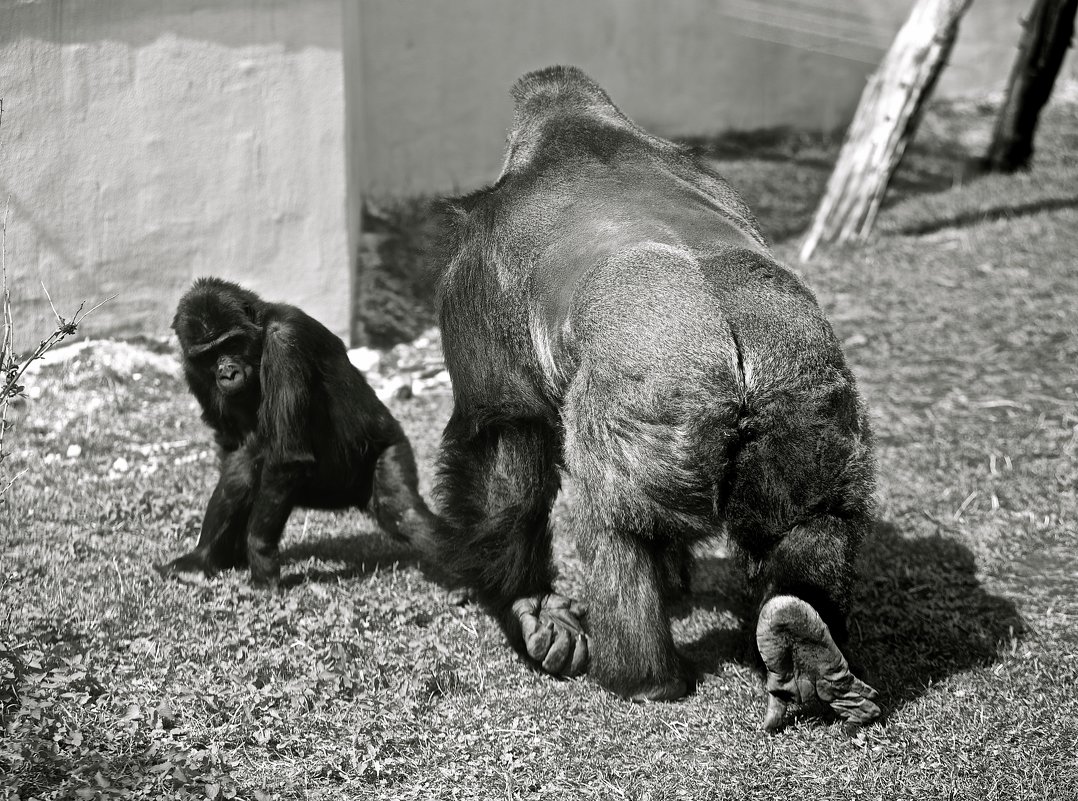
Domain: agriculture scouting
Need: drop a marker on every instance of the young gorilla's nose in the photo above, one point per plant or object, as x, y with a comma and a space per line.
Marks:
229, 377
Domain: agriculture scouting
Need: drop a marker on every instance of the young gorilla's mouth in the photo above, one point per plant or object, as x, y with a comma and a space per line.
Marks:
231, 384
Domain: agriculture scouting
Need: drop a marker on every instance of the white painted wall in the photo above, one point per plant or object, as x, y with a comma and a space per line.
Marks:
146, 142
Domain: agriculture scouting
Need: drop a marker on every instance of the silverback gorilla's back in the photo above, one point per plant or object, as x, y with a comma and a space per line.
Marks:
609, 307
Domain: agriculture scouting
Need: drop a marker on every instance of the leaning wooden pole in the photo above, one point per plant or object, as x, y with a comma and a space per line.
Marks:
1046, 35
885, 119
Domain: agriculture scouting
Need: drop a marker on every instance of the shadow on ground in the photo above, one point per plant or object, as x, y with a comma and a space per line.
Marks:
782, 172
1001, 210
351, 556
920, 615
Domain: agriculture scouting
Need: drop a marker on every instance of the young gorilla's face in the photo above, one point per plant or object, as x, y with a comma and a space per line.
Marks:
232, 373
220, 340
220, 345
227, 357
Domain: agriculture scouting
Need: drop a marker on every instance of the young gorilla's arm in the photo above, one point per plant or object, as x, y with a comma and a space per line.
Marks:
287, 453
221, 540
284, 413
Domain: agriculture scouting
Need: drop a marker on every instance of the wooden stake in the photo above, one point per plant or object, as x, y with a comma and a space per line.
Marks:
886, 118
1046, 35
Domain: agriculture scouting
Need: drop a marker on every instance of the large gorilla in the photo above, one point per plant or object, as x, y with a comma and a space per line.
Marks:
610, 308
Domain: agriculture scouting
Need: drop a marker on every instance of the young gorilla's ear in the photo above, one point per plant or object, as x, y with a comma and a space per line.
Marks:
283, 415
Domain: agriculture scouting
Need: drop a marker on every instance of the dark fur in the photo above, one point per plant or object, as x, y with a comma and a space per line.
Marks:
304, 429
609, 307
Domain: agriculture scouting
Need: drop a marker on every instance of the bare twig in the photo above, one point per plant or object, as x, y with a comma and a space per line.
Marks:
6, 347
45, 289
64, 329
14, 478
10, 366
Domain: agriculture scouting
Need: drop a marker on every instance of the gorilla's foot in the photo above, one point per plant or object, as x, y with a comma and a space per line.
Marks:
805, 666
671, 690
552, 633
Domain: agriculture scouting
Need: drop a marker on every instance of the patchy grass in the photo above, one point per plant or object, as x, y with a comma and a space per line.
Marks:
361, 681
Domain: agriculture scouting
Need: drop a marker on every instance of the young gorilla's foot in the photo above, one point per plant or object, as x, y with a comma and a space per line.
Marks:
551, 632
265, 574
411, 525
804, 665
187, 567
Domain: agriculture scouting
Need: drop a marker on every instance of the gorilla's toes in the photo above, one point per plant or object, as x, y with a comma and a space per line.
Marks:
804, 666
553, 635
668, 691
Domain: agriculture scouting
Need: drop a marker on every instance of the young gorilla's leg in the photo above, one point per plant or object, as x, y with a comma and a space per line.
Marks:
496, 486
806, 580
221, 541
395, 500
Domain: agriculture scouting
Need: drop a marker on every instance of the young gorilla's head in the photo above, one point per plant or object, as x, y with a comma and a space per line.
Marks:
217, 323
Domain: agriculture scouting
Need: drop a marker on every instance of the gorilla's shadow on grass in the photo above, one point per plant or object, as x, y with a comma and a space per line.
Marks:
919, 615
350, 556
922, 615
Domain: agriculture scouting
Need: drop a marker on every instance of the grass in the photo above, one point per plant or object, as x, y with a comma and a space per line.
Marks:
362, 681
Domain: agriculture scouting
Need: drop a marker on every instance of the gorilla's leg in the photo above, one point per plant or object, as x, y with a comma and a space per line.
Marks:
632, 649
806, 579
678, 560
221, 542
626, 470
798, 498
395, 501
496, 485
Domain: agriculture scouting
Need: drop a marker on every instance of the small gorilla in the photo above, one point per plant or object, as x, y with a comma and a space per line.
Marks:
610, 308
296, 423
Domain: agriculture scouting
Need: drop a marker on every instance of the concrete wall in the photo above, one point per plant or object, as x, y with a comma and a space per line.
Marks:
436, 74
146, 142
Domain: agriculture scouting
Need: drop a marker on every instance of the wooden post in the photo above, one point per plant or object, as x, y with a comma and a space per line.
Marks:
1046, 35
885, 119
